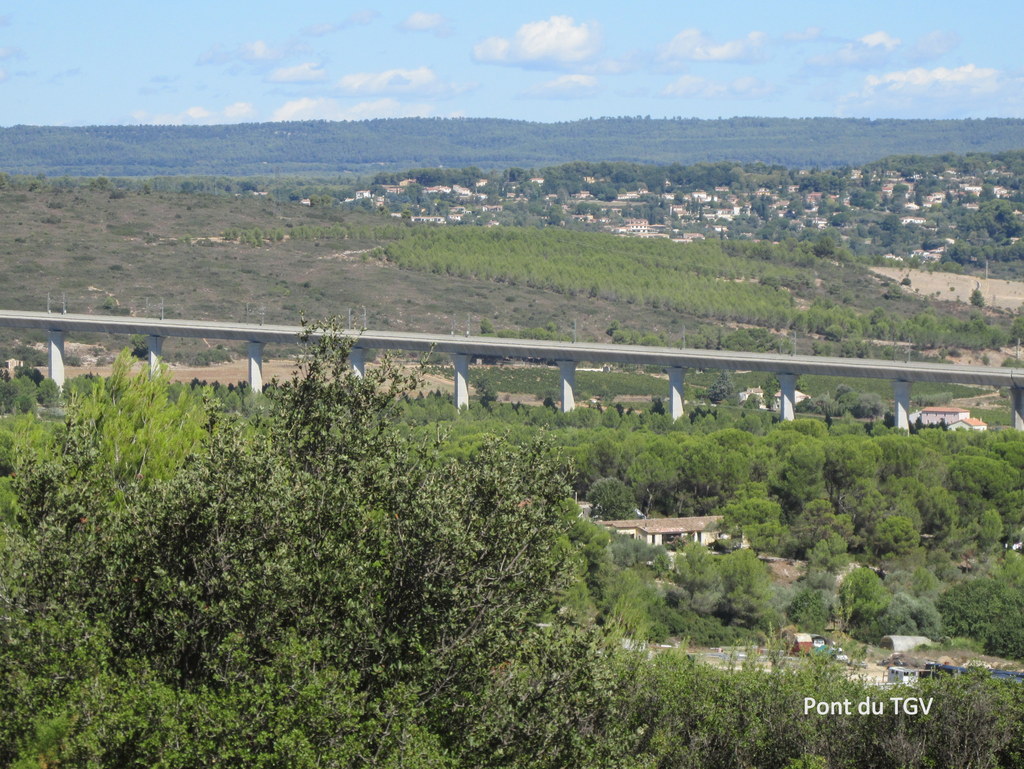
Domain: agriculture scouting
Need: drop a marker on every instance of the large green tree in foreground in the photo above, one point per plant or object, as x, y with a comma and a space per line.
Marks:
306, 590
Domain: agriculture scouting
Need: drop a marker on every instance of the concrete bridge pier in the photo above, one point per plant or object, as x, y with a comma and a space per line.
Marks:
156, 351
256, 366
787, 397
675, 392
461, 361
901, 396
56, 357
357, 359
1017, 401
568, 371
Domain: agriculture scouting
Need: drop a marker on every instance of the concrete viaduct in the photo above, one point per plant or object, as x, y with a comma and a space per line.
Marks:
567, 354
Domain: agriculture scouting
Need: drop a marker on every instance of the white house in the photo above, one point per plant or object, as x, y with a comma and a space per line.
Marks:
937, 415
660, 531
968, 424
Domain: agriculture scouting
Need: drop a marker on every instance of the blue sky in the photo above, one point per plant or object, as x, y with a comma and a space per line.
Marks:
188, 62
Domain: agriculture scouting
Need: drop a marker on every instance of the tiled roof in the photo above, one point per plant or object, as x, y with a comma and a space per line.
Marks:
666, 525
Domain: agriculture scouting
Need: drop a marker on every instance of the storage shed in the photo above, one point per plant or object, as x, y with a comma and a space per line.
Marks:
904, 643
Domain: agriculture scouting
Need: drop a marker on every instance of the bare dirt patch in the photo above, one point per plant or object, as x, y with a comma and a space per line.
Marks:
1006, 294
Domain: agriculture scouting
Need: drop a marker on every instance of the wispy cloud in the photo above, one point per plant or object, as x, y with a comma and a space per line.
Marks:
938, 92
556, 41
968, 78
933, 45
254, 51
692, 86
360, 18
422, 80
357, 19
160, 84
869, 50
332, 109
810, 33
240, 110
307, 72
427, 22
197, 115
564, 87
694, 45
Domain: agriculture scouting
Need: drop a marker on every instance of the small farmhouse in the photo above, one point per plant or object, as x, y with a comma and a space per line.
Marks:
661, 531
937, 415
968, 424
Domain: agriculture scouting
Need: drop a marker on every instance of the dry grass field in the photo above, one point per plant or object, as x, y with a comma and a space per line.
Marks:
1004, 294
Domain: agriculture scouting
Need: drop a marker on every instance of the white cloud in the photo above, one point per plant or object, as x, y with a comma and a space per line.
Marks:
872, 49
555, 41
880, 39
693, 45
332, 109
935, 82
239, 110
565, 87
933, 45
259, 51
3, 75
963, 91
196, 115
422, 80
307, 72
692, 86
427, 22
357, 19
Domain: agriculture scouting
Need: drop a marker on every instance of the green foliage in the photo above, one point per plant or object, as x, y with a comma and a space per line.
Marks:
612, 500
862, 599
808, 610
987, 609
722, 389
652, 273
311, 586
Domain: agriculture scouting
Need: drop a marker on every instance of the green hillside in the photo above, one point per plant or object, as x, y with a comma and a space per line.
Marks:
322, 147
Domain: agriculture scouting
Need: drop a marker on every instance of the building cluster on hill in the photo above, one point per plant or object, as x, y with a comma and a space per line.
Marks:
922, 209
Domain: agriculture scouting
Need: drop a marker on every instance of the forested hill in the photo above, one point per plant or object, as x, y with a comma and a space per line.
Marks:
324, 147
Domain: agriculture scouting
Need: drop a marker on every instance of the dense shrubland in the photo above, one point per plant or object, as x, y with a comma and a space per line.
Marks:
933, 512
328, 583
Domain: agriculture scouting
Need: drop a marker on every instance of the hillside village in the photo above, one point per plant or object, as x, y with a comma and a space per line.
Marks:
911, 210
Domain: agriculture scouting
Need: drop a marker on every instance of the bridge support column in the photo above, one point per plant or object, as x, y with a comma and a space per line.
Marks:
461, 361
256, 366
156, 351
357, 359
675, 392
568, 371
55, 360
787, 397
901, 396
1017, 399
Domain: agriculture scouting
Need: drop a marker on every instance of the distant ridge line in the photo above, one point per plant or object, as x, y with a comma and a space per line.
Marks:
332, 148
